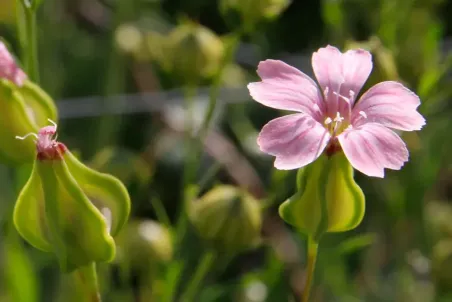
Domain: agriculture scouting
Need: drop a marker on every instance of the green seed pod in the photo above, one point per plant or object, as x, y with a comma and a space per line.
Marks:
328, 199
142, 246
69, 209
195, 52
227, 217
253, 11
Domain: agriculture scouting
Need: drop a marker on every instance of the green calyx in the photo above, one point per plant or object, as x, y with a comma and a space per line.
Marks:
328, 198
73, 211
25, 109
228, 218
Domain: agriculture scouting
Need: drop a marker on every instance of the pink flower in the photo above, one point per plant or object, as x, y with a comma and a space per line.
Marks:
329, 119
8, 67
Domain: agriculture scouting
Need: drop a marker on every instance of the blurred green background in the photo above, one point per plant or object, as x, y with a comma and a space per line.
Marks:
124, 72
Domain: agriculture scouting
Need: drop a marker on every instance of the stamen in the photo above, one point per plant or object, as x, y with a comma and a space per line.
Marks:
328, 121
27, 135
326, 91
338, 118
352, 95
342, 97
363, 114
53, 123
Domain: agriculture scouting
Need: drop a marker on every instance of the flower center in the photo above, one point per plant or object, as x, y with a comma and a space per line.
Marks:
335, 126
46, 142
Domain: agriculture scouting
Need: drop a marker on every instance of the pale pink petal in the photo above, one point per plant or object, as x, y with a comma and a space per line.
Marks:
296, 140
356, 68
8, 67
341, 73
285, 87
372, 147
390, 104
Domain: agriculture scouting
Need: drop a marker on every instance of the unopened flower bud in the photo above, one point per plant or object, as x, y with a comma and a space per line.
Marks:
67, 208
195, 52
143, 245
228, 217
25, 108
253, 11
328, 199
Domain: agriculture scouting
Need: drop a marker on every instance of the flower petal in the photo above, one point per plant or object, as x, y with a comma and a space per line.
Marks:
373, 147
8, 67
343, 74
390, 104
296, 140
285, 87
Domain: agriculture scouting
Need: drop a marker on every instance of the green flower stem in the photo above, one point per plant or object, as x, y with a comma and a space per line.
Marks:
215, 88
28, 33
195, 145
312, 258
201, 271
86, 279
190, 155
31, 62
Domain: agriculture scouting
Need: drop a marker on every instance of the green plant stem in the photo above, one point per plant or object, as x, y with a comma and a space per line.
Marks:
86, 279
190, 154
215, 88
31, 62
196, 145
201, 271
312, 258
28, 36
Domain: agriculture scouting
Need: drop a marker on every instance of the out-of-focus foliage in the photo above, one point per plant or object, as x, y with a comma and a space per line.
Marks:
112, 64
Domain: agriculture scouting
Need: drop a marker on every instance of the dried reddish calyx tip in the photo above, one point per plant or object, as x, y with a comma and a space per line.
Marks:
47, 146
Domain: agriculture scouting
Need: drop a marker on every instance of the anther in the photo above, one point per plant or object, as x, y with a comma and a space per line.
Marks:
328, 121
352, 95
338, 118
363, 114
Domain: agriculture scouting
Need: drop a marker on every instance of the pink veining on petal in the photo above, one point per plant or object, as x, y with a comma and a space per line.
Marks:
341, 75
285, 87
390, 104
8, 67
326, 63
296, 140
372, 147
